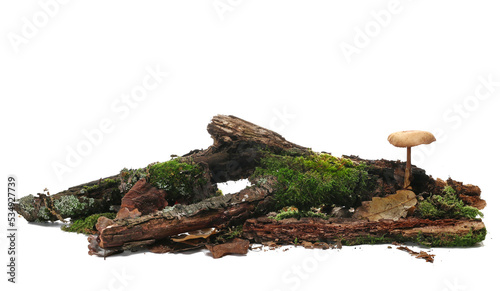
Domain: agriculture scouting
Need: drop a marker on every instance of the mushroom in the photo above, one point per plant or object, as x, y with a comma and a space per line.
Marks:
408, 139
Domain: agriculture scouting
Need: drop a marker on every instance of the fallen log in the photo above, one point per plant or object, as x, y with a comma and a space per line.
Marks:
218, 212
239, 148
441, 232
79, 201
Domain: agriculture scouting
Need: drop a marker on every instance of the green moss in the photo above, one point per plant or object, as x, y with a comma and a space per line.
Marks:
369, 239
435, 240
106, 183
293, 212
86, 225
448, 240
235, 231
71, 206
316, 179
447, 205
178, 179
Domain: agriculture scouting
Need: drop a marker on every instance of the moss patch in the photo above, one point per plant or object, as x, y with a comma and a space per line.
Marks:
178, 179
447, 205
86, 225
369, 239
438, 240
448, 240
316, 179
106, 183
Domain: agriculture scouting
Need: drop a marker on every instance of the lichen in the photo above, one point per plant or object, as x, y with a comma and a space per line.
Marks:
27, 203
71, 206
44, 213
86, 225
128, 177
314, 180
447, 205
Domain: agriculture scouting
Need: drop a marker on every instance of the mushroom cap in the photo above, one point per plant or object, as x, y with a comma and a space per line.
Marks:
410, 138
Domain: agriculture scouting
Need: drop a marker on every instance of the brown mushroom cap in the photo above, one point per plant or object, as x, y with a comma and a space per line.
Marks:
410, 138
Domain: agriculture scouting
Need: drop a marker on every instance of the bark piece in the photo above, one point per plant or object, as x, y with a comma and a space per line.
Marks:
124, 213
102, 223
419, 255
392, 206
144, 198
236, 246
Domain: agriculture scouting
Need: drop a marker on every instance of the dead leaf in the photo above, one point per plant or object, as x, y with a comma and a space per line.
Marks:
202, 233
393, 206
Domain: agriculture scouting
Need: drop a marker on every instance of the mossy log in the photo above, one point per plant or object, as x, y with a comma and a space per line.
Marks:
218, 212
237, 147
78, 201
435, 233
390, 178
237, 150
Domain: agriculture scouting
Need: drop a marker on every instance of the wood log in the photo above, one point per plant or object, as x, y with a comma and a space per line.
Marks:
236, 151
218, 212
440, 232
237, 148
78, 201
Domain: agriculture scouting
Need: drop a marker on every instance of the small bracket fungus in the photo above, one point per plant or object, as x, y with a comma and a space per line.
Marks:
408, 139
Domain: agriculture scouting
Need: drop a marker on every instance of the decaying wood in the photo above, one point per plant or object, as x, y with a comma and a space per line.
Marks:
390, 178
234, 155
237, 148
236, 151
353, 230
218, 212
104, 197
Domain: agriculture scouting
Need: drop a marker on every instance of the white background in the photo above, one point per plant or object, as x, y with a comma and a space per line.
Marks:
279, 64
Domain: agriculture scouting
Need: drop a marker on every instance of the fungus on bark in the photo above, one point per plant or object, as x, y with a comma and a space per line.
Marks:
408, 139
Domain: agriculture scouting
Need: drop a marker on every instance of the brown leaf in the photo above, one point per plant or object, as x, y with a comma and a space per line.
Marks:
393, 206
202, 233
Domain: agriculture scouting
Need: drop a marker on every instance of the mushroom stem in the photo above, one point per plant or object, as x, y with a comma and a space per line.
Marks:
408, 168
